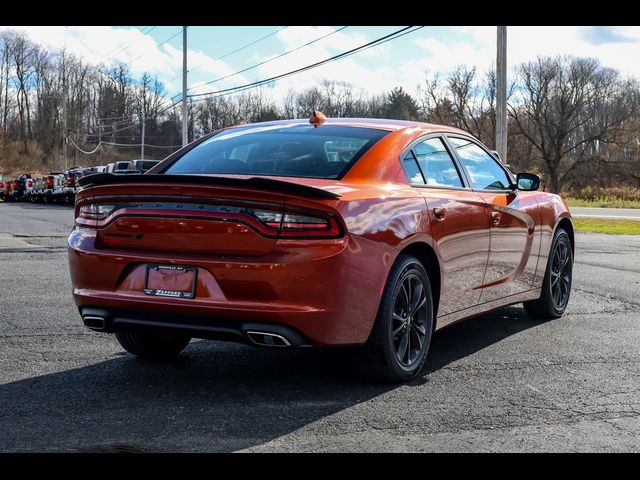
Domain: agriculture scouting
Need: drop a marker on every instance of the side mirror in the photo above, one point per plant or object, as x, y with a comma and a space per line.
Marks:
528, 181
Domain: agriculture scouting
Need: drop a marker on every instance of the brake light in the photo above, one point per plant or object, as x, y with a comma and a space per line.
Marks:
49, 182
299, 225
288, 224
93, 213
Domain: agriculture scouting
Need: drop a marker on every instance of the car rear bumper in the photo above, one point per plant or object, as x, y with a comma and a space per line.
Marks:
113, 320
327, 292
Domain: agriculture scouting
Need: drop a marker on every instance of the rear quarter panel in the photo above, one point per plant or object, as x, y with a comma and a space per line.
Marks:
381, 221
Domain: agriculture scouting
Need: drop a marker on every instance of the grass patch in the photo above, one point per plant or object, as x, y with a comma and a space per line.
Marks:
610, 226
603, 202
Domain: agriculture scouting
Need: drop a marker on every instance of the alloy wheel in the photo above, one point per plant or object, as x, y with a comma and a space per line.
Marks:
410, 320
561, 274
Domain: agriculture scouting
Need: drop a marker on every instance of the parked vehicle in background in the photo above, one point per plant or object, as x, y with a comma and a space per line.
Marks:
115, 166
17, 187
8, 186
142, 165
27, 185
56, 187
52, 185
36, 191
67, 191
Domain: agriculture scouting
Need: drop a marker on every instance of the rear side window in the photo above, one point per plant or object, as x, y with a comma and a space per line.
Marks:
411, 168
429, 163
484, 171
297, 150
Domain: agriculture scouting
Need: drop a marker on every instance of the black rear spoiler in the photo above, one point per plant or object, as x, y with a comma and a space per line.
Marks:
259, 183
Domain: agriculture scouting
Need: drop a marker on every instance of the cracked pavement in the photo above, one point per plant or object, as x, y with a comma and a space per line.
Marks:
500, 382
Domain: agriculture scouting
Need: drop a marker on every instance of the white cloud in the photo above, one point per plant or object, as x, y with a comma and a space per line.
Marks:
526, 43
374, 70
96, 44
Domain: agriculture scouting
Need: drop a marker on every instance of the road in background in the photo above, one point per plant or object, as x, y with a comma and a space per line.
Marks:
622, 213
500, 382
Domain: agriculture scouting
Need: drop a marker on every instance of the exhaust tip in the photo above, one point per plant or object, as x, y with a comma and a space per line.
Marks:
94, 323
266, 339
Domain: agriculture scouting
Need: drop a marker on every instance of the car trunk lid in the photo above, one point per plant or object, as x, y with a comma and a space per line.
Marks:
192, 214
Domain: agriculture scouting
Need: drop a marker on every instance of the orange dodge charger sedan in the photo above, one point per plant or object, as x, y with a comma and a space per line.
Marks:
359, 233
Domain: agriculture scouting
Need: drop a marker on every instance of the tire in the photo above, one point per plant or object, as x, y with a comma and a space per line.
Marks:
152, 344
556, 287
381, 357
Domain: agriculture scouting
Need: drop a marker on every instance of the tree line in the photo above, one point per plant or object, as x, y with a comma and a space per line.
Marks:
572, 120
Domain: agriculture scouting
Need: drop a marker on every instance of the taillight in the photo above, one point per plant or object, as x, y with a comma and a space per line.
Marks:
71, 181
288, 224
300, 225
29, 183
93, 213
49, 182
16, 184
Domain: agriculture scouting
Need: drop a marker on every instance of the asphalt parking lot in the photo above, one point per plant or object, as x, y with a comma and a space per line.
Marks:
500, 382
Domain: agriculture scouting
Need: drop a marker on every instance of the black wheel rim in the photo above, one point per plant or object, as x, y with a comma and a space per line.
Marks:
561, 274
410, 320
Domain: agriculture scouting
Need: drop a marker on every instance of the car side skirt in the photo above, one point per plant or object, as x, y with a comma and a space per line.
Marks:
483, 308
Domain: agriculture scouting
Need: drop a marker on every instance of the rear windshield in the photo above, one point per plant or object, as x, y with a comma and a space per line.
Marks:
327, 151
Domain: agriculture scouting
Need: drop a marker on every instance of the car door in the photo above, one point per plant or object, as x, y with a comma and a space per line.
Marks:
458, 220
512, 213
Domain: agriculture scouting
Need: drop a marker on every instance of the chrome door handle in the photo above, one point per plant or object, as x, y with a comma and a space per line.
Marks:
495, 217
439, 212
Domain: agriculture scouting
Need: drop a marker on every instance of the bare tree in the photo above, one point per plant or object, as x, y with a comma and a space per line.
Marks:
22, 53
569, 108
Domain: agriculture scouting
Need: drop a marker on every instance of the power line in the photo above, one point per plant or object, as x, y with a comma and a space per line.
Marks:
250, 44
270, 59
169, 107
216, 59
84, 151
376, 42
234, 51
397, 34
379, 41
126, 45
160, 102
106, 133
91, 152
121, 45
137, 58
139, 145
109, 78
161, 44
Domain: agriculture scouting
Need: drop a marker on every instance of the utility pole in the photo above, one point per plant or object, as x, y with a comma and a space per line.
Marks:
64, 124
501, 94
184, 86
142, 146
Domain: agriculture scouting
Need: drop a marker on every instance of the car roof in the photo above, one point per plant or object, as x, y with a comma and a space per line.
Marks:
379, 123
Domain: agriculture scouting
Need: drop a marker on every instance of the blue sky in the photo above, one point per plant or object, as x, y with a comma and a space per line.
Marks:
401, 62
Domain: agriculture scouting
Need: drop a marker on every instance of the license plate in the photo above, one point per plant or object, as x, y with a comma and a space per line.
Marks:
170, 281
